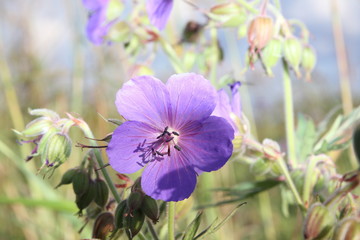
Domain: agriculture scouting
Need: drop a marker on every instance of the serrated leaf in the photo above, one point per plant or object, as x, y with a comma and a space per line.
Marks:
192, 228
305, 137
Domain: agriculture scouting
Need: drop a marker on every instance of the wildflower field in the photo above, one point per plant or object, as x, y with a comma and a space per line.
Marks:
179, 119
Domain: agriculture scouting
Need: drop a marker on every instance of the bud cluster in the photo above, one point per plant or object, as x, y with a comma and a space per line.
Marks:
130, 213
49, 133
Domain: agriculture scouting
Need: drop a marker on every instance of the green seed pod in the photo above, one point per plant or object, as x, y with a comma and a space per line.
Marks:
133, 223
293, 51
271, 54
308, 61
103, 225
83, 200
134, 201
81, 182
58, 148
319, 222
102, 192
119, 214
136, 187
67, 177
348, 228
150, 208
260, 167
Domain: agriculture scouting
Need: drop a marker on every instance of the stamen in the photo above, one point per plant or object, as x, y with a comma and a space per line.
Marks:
168, 150
164, 132
177, 147
170, 139
176, 133
153, 151
159, 153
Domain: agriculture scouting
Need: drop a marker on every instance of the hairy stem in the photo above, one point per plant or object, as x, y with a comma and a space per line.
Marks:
171, 220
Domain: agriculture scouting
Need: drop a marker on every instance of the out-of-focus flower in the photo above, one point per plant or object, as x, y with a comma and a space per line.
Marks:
230, 109
98, 24
159, 12
170, 133
260, 32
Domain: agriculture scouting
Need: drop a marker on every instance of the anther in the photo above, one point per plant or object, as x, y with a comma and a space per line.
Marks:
170, 139
153, 151
177, 147
168, 150
159, 153
176, 133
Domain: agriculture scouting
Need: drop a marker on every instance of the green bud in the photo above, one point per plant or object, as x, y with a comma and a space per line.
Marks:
120, 214
293, 51
103, 226
150, 208
271, 54
36, 127
67, 177
134, 201
348, 228
319, 222
93, 210
136, 187
308, 61
45, 113
58, 148
356, 142
81, 182
83, 200
102, 192
133, 223
260, 167
229, 14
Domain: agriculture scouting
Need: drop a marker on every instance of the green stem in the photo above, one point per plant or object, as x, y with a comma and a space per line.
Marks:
289, 115
88, 133
171, 220
152, 230
290, 182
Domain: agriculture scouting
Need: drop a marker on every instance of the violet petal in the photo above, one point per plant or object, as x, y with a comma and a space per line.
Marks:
159, 12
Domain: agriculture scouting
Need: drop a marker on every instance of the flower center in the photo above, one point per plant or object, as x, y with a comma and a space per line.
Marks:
166, 140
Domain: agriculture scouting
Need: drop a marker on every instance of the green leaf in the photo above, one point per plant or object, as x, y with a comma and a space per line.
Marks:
305, 137
216, 226
192, 228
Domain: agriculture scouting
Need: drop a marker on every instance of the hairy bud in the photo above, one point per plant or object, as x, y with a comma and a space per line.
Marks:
293, 51
319, 222
348, 228
58, 148
308, 61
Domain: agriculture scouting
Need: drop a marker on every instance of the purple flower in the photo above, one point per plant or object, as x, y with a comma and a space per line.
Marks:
159, 11
98, 25
229, 109
170, 133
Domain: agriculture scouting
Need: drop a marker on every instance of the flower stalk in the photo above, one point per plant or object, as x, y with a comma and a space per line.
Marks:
289, 115
171, 220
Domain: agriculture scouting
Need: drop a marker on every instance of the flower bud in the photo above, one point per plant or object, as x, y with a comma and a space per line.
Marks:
80, 182
229, 14
83, 200
348, 228
150, 208
58, 148
271, 54
45, 113
133, 223
271, 149
319, 222
308, 61
293, 51
136, 187
134, 201
36, 127
260, 32
103, 225
120, 214
67, 177
102, 192
260, 167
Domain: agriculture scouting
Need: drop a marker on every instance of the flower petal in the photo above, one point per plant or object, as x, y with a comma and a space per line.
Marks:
128, 150
159, 11
97, 27
192, 97
223, 108
209, 146
235, 101
145, 99
92, 5
170, 179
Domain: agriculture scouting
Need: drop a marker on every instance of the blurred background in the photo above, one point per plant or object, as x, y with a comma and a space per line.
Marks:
46, 61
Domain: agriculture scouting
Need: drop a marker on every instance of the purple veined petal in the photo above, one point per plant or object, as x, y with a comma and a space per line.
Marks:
97, 27
235, 101
159, 12
192, 98
209, 147
130, 147
170, 179
223, 108
145, 99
